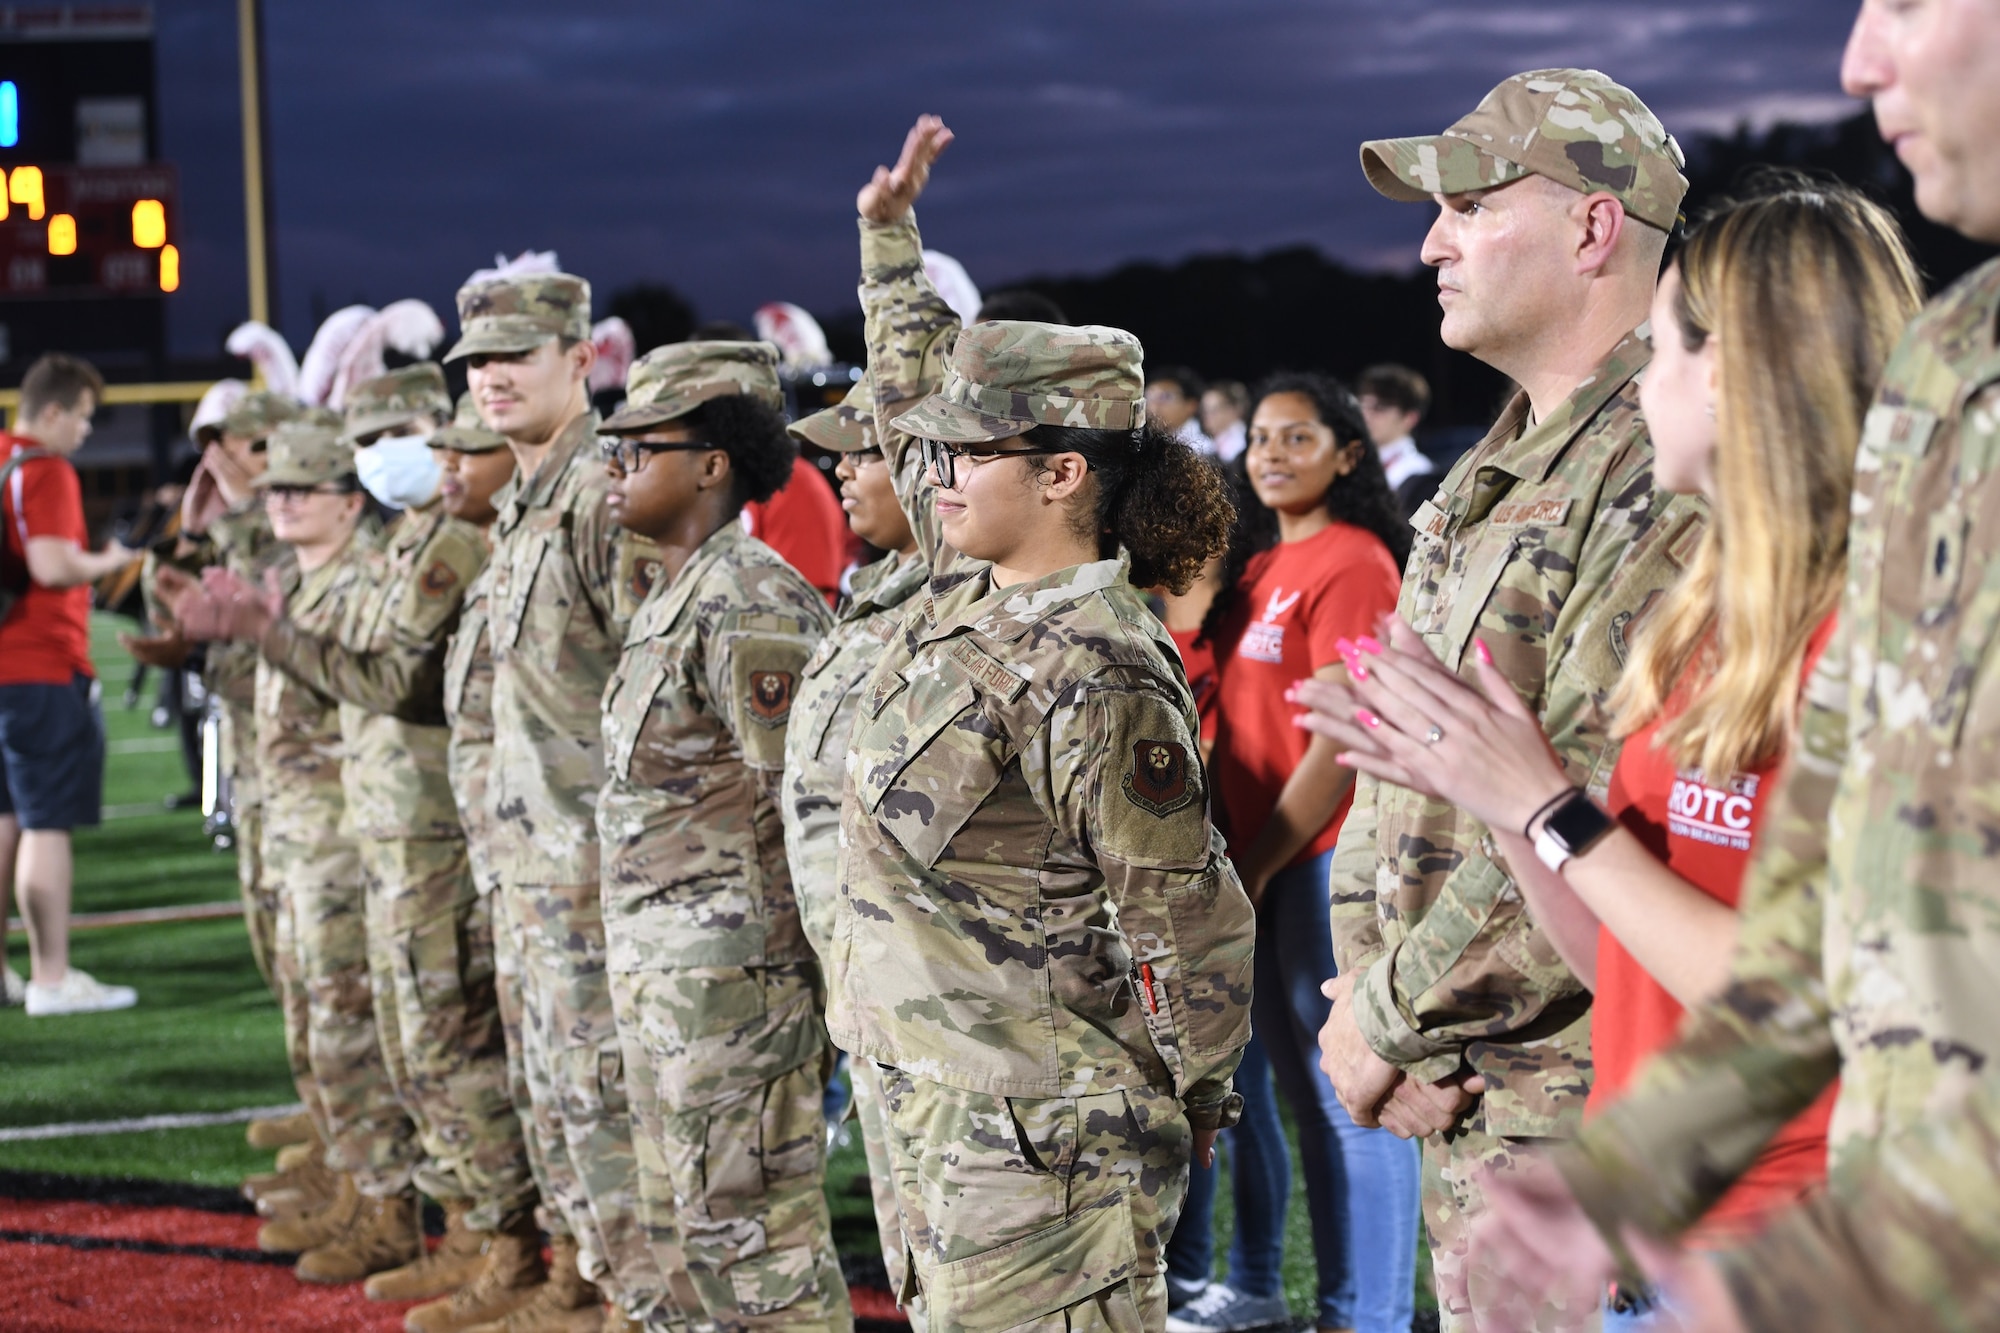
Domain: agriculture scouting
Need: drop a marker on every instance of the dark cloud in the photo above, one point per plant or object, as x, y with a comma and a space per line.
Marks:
718, 147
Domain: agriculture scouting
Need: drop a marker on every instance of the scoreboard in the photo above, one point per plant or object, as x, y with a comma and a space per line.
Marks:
86, 209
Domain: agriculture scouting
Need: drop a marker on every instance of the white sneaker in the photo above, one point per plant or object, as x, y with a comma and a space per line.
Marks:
77, 993
16, 990
1221, 1309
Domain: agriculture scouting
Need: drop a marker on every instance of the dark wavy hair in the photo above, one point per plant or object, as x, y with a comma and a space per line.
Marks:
753, 434
1154, 496
1360, 499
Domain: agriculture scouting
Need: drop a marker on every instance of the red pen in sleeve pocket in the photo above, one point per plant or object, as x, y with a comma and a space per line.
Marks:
1146, 975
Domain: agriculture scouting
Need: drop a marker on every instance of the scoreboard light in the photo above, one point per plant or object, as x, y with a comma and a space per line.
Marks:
10, 114
62, 234
24, 187
149, 224
170, 268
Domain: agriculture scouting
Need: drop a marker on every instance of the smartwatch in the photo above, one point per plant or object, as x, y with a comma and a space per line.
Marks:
1571, 829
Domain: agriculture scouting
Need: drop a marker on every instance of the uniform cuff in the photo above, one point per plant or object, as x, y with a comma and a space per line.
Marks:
888, 246
1216, 1115
1391, 1035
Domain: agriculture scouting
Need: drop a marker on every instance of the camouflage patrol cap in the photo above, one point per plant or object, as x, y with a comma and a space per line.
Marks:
467, 434
1007, 377
305, 453
404, 394
672, 381
520, 314
848, 427
259, 412
1574, 126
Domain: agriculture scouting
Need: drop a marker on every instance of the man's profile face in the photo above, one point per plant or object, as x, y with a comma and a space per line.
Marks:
1931, 68
1502, 261
62, 430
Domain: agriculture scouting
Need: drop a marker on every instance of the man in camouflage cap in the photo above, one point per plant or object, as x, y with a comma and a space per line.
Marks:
1554, 199
556, 618
816, 740
1870, 944
429, 936
717, 992
238, 539
311, 855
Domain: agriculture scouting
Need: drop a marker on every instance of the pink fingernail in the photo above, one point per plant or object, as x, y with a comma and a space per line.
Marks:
1366, 718
1485, 653
1368, 645
1356, 668
1343, 646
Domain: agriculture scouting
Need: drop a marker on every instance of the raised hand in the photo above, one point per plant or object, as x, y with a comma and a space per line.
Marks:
888, 196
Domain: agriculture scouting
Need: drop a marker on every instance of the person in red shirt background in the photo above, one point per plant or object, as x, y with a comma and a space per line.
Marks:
1771, 328
804, 523
51, 728
1316, 562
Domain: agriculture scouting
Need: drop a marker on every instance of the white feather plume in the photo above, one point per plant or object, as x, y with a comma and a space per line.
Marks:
220, 398
266, 349
409, 326
520, 266
321, 366
801, 341
615, 349
954, 284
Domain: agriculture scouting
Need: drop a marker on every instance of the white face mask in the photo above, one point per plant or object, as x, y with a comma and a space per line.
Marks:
399, 470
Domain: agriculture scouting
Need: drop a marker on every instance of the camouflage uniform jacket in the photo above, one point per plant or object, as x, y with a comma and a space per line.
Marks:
694, 734
1870, 940
556, 625
384, 661
468, 712
822, 724
1545, 540
299, 746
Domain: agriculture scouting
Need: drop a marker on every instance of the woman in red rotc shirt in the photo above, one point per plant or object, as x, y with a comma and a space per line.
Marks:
1770, 330
1316, 561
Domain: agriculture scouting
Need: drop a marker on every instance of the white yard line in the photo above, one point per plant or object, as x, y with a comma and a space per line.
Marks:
194, 1120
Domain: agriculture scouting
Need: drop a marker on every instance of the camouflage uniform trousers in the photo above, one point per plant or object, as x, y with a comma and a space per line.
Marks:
430, 963
332, 1040
1036, 1213
580, 1115
260, 898
869, 1112
726, 1067
507, 986
1452, 1201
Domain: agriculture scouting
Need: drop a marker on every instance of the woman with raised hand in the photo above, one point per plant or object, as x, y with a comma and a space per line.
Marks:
1038, 939
1315, 562
1771, 328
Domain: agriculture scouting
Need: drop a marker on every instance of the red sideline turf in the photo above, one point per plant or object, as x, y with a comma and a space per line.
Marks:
48, 1284
50, 1287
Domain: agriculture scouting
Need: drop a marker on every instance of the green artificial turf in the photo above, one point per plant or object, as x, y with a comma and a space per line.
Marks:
205, 1035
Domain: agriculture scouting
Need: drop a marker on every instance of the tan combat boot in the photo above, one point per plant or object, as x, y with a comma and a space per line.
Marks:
291, 1161
458, 1259
306, 1190
384, 1234
290, 1235
282, 1131
617, 1321
563, 1304
513, 1276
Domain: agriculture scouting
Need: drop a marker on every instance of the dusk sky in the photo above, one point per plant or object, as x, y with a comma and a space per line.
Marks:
718, 147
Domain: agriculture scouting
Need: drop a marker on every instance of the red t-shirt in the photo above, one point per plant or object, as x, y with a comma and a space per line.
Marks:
1703, 832
45, 639
805, 524
1198, 661
1295, 601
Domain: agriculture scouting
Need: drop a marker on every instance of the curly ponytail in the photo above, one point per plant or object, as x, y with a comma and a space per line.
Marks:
1154, 496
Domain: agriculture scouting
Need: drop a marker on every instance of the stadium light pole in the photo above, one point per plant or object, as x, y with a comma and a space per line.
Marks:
256, 184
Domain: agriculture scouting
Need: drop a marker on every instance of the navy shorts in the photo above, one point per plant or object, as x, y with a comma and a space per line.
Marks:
52, 754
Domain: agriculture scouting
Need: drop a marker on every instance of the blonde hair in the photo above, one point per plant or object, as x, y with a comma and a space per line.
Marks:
1808, 287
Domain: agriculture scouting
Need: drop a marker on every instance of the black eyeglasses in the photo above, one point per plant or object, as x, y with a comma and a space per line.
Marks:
942, 458
284, 492
626, 452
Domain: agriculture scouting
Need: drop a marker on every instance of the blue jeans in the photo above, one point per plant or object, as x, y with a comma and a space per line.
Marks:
1361, 1184
1260, 1167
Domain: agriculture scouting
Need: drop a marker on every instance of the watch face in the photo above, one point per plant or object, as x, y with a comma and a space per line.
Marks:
1577, 823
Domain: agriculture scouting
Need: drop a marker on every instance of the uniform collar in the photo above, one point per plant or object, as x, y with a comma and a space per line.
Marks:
887, 583
663, 607
538, 492
414, 527
1530, 451
1006, 614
